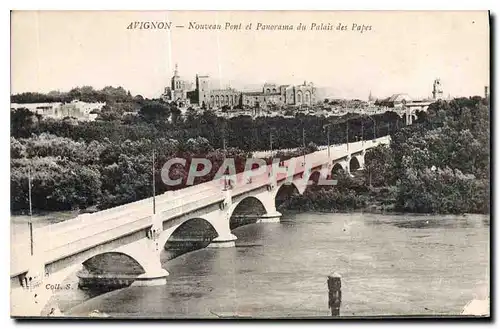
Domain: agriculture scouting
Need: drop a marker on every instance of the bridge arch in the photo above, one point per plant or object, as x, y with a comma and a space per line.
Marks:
312, 180
354, 164
247, 211
110, 270
314, 177
114, 262
196, 228
284, 192
338, 168
102, 273
192, 234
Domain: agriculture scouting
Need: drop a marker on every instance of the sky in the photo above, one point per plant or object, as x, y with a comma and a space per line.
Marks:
402, 52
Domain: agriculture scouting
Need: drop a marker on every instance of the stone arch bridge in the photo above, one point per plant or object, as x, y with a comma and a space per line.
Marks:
130, 234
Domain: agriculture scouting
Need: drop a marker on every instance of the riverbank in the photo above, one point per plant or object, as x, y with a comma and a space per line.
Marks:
353, 195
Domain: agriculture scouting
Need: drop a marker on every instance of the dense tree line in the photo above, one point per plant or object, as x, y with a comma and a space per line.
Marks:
128, 117
349, 194
69, 174
158, 120
84, 94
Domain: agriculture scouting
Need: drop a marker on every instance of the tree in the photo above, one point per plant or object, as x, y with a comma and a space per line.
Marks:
57, 184
154, 111
175, 114
379, 163
17, 149
23, 122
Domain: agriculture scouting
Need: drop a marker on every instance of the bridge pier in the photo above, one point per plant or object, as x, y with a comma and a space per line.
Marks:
223, 241
268, 200
225, 238
149, 257
348, 165
270, 217
157, 277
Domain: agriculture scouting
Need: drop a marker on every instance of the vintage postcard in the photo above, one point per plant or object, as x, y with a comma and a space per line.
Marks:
250, 164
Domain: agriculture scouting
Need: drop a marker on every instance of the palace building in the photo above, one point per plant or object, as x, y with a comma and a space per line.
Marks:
182, 92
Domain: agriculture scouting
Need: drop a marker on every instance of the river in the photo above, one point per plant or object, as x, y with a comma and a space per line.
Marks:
390, 265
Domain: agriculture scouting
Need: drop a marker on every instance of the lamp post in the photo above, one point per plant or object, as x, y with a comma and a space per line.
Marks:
362, 132
154, 183
327, 138
374, 127
30, 223
347, 134
271, 142
304, 144
226, 181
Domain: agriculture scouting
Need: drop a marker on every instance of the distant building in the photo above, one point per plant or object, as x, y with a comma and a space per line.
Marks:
273, 94
202, 92
371, 99
178, 90
223, 97
44, 109
182, 93
396, 100
399, 100
57, 110
437, 90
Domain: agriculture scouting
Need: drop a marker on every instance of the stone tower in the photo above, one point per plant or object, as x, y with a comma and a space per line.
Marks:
202, 89
437, 90
179, 92
176, 80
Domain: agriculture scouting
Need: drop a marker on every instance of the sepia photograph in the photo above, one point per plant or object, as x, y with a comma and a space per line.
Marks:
250, 164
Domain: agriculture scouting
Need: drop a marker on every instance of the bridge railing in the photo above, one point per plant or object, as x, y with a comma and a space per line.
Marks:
130, 224
315, 159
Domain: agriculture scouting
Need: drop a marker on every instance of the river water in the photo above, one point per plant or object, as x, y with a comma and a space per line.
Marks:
390, 265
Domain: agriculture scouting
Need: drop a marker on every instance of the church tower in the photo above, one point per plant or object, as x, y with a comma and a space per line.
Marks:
202, 90
179, 89
370, 97
437, 90
176, 80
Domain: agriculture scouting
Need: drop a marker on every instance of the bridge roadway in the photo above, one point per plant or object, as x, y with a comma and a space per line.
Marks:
70, 237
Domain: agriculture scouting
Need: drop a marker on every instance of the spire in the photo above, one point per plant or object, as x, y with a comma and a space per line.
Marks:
176, 69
